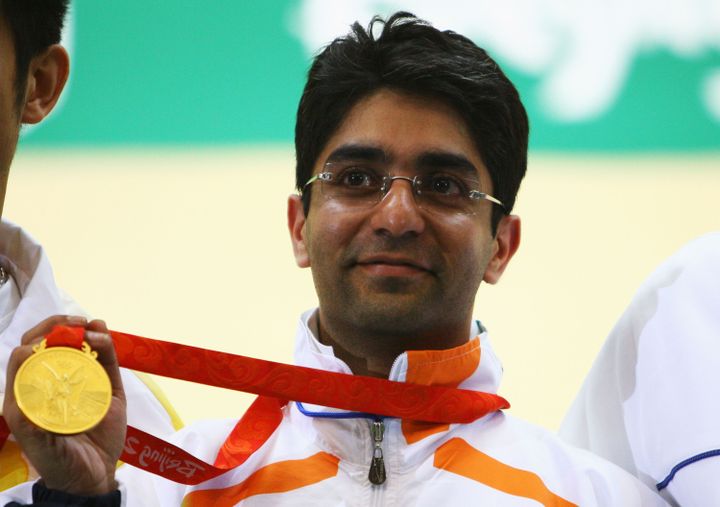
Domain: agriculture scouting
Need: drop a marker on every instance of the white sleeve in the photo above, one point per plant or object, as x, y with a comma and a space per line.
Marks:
650, 401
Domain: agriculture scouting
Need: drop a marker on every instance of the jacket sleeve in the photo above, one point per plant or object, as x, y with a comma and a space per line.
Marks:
44, 497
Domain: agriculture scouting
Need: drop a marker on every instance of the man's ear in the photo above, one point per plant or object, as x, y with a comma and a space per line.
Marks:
507, 241
47, 75
296, 226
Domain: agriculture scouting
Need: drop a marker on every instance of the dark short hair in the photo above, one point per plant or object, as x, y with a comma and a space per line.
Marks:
34, 25
413, 57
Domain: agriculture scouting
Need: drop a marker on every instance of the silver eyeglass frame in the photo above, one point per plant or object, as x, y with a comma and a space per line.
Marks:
475, 195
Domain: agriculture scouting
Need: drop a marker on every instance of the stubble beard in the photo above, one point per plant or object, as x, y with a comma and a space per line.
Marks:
396, 312
387, 313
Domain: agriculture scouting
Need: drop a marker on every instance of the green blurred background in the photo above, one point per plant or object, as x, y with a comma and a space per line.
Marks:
601, 78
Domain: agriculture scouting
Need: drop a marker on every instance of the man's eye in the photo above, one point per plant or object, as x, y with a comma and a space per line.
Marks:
358, 177
444, 185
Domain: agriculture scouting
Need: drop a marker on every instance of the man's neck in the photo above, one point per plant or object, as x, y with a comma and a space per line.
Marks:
373, 355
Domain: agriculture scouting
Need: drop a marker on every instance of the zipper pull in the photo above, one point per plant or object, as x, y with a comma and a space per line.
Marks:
377, 474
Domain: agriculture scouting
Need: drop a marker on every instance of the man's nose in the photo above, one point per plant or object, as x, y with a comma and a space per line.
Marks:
398, 214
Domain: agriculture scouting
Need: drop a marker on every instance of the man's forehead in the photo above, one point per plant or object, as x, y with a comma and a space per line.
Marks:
358, 151
393, 118
423, 158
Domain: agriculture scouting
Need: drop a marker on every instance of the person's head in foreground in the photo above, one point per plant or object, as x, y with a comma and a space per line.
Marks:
33, 69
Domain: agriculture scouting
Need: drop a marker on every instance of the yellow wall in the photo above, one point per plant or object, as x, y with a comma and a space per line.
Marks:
191, 246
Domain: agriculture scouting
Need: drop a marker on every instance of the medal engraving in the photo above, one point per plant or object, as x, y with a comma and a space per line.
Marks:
62, 389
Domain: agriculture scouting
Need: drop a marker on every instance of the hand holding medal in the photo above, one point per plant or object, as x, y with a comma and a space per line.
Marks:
67, 407
61, 387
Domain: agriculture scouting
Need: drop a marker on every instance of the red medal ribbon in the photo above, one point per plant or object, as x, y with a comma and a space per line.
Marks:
298, 383
154, 455
274, 383
4, 432
65, 336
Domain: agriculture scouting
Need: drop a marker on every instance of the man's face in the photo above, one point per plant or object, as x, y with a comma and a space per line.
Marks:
395, 268
9, 117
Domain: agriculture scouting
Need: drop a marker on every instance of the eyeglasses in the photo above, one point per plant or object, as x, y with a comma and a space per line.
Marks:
362, 186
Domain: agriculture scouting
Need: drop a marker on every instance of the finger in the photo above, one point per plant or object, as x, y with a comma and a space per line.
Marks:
102, 344
97, 325
46, 326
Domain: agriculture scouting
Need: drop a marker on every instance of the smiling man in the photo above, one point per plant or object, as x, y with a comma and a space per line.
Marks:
397, 259
411, 144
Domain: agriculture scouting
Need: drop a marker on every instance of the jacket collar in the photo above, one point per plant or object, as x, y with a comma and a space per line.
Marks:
472, 366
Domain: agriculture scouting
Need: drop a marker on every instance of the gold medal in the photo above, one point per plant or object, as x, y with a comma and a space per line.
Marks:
62, 389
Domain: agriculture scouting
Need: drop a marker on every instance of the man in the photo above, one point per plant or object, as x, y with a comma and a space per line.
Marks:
411, 146
649, 403
33, 71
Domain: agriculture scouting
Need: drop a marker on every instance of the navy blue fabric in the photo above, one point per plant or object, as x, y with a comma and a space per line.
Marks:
44, 497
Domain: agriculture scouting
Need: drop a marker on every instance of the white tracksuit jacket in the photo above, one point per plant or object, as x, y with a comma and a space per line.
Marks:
495, 461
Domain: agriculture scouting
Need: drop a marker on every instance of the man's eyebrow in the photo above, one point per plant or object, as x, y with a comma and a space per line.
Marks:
446, 160
360, 152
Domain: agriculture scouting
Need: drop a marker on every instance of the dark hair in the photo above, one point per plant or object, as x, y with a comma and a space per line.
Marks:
35, 25
411, 56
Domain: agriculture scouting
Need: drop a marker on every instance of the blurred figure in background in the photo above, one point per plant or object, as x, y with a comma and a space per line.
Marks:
33, 72
650, 402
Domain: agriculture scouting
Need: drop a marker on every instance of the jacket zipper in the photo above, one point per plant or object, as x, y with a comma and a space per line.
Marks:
377, 473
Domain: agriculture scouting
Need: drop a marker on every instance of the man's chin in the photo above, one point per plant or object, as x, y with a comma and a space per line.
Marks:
392, 286
391, 311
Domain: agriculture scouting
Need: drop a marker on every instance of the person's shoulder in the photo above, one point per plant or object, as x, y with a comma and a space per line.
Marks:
514, 438
698, 258
701, 256
505, 433
705, 245
687, 276
518, 432
514, 444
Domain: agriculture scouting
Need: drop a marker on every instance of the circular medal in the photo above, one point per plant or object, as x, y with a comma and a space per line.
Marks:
62, 389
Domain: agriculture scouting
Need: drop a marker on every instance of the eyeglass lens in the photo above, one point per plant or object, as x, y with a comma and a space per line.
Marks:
440, 191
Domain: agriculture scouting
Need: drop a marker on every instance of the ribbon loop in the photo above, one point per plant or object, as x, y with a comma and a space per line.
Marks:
65, 336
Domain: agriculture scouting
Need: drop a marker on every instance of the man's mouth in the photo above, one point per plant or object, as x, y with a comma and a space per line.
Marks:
392, 265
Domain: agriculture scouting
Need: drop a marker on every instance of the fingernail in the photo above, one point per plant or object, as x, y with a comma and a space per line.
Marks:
76, 320
95, 335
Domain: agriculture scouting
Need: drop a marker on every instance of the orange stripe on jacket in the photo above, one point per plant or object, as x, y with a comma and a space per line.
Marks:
274, 478
440, 368
459, 457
